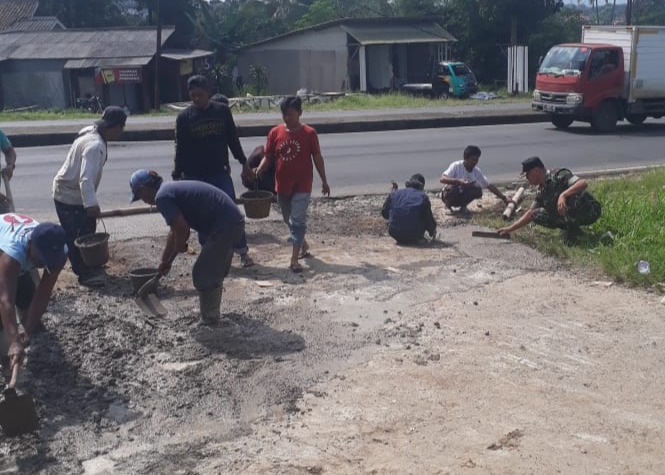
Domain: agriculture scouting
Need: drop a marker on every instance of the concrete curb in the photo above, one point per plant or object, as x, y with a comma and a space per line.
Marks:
47, 138
586, 174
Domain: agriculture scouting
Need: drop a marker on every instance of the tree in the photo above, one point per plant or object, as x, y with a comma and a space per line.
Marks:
84, 13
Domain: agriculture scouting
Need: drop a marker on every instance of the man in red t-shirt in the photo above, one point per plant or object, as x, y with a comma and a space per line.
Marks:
292, 147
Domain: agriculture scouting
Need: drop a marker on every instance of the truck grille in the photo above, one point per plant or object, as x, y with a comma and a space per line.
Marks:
553, 98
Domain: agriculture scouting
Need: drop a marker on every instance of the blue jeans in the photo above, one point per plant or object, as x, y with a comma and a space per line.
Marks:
224, 182
294, 212
76, 223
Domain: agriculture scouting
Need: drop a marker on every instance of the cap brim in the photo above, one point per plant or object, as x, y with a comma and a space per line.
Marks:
53, 260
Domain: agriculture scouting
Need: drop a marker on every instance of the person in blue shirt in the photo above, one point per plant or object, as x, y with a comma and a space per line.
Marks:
409, 212
193, 204
25, 245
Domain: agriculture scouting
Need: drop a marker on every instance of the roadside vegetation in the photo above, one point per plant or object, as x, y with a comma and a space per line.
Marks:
630, 230
350, 102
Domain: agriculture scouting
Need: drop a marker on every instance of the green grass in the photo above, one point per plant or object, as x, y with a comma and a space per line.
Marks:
350, 102
58, 114
399, 101
633, 212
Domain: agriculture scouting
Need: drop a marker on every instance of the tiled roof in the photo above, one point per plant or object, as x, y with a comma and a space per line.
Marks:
13, 10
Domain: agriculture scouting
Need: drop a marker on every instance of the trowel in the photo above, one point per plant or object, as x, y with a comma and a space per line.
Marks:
491, 235
17, 411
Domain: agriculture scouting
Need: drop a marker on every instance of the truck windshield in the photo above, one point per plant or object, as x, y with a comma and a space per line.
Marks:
562, 60
460, 70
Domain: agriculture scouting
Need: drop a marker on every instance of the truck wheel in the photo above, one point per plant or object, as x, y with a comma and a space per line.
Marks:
561, 122
605, 118
636, 119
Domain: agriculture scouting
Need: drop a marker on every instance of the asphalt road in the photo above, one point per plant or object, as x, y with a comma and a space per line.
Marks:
366, 162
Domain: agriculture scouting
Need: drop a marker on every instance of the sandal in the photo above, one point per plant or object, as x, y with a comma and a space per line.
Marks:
246, 261
296, 269
304, 255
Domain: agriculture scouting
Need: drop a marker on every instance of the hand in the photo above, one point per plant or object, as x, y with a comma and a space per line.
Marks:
93, 211
503, 231
25, 338
561, 205
183, 247
325, 189
16, 352
506, 201
248, 173
164, 268
8, 171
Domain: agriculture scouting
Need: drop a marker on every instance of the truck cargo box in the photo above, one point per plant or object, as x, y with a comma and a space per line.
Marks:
644, 56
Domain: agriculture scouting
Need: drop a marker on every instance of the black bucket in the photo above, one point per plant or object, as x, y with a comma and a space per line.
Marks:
94, 249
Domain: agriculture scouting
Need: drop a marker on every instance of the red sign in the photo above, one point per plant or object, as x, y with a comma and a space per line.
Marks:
17, 219
119, 75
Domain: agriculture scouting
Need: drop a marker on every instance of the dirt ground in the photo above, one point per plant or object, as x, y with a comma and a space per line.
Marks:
464, 356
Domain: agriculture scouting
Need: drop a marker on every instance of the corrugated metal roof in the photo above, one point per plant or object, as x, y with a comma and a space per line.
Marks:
361, 23
13, 10
37, 23
180, 54
81, 43
391, 34
107, 62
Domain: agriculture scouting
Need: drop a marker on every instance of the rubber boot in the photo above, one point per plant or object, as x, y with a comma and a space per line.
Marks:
210, 301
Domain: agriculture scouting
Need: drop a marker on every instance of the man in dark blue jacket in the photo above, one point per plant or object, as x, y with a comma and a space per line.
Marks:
409, 212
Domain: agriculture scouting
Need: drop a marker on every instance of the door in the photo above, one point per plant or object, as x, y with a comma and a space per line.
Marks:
604, 77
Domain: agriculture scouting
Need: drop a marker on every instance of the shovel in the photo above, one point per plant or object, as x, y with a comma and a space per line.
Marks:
491, 235
17, 411
147, 301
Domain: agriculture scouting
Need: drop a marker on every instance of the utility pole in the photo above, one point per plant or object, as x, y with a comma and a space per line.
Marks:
158, 56
629, 12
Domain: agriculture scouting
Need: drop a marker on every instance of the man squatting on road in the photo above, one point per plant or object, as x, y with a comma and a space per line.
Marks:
212, 214
562, 201
465, 182
409, 212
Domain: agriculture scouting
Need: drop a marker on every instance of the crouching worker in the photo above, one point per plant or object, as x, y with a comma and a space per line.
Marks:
25, 245
212, 214
562, 201
409, 212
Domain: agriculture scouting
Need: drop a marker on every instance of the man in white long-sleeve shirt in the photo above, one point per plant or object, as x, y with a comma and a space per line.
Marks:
75, 187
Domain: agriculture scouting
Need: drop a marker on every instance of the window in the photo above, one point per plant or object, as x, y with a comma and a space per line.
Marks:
603, 62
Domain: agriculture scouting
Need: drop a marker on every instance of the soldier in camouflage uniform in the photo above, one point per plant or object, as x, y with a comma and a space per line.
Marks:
562, 201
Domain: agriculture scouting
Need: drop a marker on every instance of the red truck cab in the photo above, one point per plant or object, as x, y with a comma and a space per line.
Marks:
582, 82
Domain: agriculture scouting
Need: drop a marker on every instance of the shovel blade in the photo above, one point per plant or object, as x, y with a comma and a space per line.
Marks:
491, 235
18, 414
150, 305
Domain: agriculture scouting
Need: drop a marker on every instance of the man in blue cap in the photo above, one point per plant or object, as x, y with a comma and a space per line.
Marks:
212, 214
75, 187
26, 244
